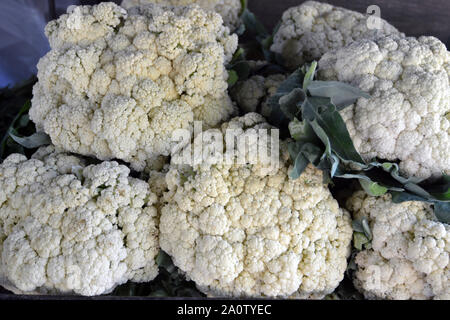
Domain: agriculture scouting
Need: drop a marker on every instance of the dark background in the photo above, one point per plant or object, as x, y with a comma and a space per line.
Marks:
19, 54
413, 17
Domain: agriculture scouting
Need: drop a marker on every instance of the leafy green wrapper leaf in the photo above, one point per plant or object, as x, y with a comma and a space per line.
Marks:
403, 196
244, 6
36, 140
290, 103
366, 228
441, 208
441, 189
362, 226
232, 78
445, 196
362, 235
373, 188
304, 154
309, 76
341, 94
360, 240
310, 110
324, 114
394, 171
300, 164
238, 68
442, 211
277, 116
302, 131
20, 122
357, 226
292, 82
163, 260
23, 121
239, 55
242, 70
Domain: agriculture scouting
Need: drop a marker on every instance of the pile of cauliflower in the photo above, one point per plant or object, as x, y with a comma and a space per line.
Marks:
92, 210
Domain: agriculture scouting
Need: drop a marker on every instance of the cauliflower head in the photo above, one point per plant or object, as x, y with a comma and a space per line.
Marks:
409, 258
251, 95
313, 28
228, 9
116, 84
248, 230
68, 227
407, 118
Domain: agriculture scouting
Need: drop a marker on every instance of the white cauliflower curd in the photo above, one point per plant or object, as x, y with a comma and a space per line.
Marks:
409, 258
313, 28
251, 95
248, 230
68, 227
407, 116
228, 9
117, 83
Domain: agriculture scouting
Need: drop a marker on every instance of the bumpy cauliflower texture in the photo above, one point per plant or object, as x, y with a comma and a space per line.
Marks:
249, 230
251, 95
68, 227
116, 84
314, 28
228, 9
407, 117
409, 258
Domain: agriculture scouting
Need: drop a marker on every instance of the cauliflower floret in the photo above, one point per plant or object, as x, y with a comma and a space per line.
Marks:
68, 227
409, 258
248, 230
314, 28
116, 84
228, 9
251, 95
407, 117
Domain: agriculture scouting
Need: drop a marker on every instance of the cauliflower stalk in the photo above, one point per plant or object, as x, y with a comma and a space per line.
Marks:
248, 230
409, 255
68, 227
313, 28
117, 83
406, 118
228, 9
